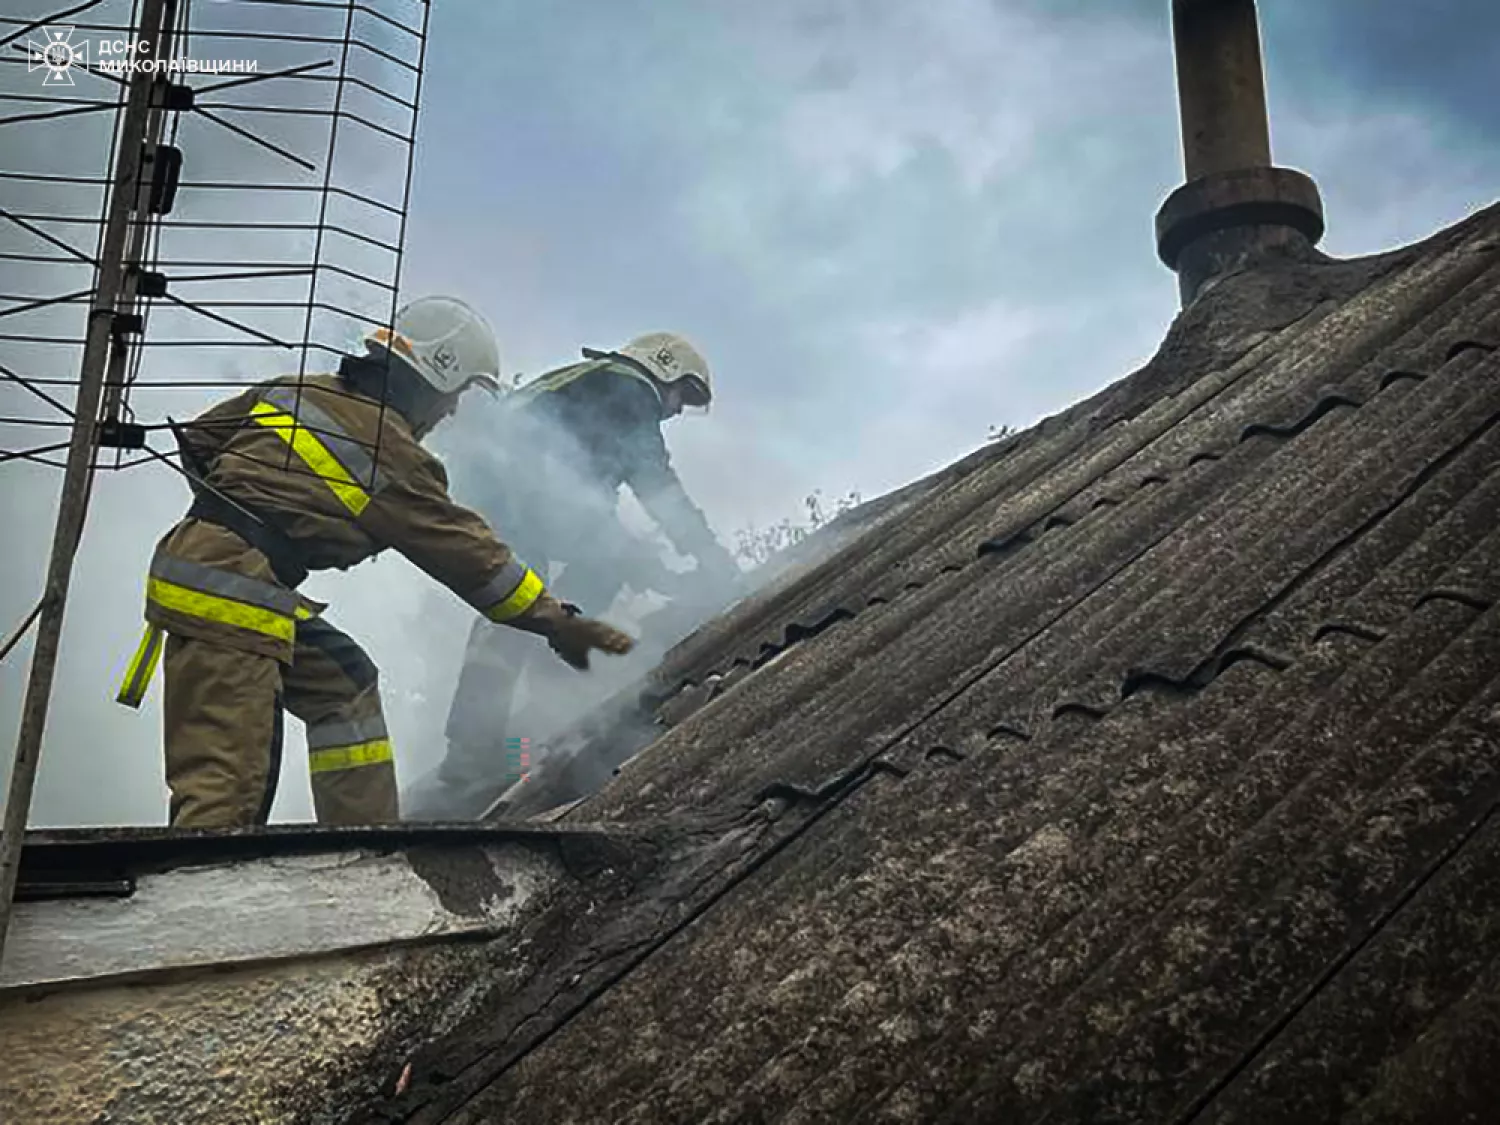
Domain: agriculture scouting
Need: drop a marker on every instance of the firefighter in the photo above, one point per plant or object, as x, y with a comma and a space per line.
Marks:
298, 475
588, 429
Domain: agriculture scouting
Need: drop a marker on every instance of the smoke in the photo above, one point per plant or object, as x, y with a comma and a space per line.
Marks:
791, 180
101, 764
598, 549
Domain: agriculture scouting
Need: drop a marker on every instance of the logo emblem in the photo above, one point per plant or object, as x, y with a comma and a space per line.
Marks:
57, 54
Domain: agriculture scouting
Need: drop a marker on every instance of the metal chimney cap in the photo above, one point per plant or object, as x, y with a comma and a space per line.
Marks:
1242, 197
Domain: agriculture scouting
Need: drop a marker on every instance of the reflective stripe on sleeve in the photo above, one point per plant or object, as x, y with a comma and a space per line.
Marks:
341, 462
141, 668
520, 601
502, 584
334, 758
509, 593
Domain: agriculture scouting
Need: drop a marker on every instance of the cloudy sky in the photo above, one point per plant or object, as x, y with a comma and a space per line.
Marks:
889, 225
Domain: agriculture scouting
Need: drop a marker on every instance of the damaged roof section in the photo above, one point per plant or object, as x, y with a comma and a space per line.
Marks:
1147, 761
1260, 359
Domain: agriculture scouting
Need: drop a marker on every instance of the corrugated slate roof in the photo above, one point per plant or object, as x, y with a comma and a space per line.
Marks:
1144, 770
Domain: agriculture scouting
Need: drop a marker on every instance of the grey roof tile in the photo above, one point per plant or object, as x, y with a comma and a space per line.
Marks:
1116, 773
1399, 1004
1150, 910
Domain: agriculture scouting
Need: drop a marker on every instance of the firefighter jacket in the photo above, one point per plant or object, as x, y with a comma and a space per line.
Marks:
613, 416
328, 479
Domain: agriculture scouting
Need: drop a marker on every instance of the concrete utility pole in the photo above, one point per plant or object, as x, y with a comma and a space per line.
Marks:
112, 296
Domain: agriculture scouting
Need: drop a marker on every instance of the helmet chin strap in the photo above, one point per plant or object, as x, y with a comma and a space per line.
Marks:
671, 401
442, 409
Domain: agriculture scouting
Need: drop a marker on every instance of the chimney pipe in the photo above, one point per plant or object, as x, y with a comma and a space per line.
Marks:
1236, 209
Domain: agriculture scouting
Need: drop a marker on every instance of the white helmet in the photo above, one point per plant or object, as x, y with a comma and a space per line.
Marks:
672, 361
447, 343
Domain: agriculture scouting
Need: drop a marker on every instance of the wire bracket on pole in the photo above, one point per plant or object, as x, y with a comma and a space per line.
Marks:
149, 283
126, 324
116, 434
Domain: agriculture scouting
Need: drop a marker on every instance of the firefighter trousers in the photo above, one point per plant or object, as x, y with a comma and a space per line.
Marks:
483, 701
224, 711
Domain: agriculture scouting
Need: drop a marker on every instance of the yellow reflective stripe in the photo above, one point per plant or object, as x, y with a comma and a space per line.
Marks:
314, 454
555, 380
303, 613
142, 667
520, 601
223, 583
502, 584
333, 758
351, 732
223, 610
346, 451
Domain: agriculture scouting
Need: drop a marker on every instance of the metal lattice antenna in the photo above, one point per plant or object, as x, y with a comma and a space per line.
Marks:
253, 198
